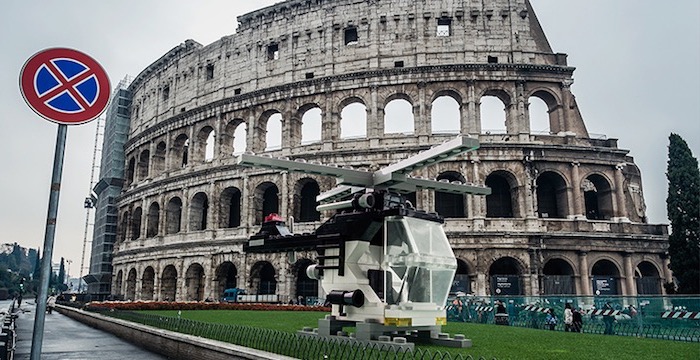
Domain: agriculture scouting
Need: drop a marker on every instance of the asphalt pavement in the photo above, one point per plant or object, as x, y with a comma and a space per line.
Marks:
65, 338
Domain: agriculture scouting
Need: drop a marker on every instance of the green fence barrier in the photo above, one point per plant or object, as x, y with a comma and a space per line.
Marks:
661, 317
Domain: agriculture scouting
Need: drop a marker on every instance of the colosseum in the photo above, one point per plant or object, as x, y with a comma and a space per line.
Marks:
365, 83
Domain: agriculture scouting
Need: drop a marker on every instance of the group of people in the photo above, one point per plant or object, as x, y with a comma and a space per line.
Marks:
573, 319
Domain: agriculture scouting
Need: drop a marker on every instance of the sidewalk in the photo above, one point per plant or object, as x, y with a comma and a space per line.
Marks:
65, 338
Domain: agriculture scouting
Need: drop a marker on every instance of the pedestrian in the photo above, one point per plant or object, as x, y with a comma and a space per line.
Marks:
608, 319
50, 303
550, 320
568, 318
577, 320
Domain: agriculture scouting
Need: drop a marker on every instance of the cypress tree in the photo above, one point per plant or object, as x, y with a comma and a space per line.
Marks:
683, 205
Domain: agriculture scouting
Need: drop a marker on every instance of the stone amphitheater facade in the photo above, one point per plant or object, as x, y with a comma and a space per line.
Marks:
566, 207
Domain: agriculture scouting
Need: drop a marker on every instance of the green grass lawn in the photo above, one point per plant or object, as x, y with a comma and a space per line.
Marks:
489, 341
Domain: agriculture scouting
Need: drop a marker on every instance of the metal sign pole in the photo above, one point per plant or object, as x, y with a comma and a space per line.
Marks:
38, 334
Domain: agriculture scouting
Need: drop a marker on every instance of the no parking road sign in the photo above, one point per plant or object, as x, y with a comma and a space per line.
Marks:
65, 86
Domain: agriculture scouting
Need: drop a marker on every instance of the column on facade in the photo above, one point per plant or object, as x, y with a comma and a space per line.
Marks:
291, 129
143, 225
156, 282
329, 122
191, 146
151, 152
180, 281
375, 120
585, 281
138, 285
666, 268
422, 121
219, 137
520, 113
185, 213
247, 203
576, 208
469, 115
283, 196
629, 275
214, 207
162, 216
254, 134
478, 202
620, 191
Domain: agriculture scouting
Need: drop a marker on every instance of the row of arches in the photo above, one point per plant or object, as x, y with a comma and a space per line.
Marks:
553, 200
305, 125
168, 285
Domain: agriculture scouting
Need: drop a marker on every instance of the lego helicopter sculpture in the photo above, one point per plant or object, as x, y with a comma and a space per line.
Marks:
385, 267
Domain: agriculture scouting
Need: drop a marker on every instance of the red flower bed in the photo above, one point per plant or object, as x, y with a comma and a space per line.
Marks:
191, 305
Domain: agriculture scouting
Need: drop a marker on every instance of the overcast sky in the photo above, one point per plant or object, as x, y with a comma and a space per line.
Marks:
637, 80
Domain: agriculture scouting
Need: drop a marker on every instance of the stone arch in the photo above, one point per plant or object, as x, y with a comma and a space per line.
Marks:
505, 274
547, 122
552, 201
204, 145
148, 283
226, 277
199, 211
450, 205
158, 160
462, 279
173, 216
179, 155
131, 171
353, 118
271, 126
493, 111
648, 278
502, 201
131, 285
598, 197
194, 282
311, 117
305, 286
118, 283
168, 283
398, 115
230, 210
305, 192
136, 223
143, 164
266, 200
231, 136
152, 220
558, 277
124, 228
605, 274
263, 278
446, 112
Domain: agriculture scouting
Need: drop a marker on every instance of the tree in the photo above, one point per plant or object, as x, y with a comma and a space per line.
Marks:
61, 280
683, 205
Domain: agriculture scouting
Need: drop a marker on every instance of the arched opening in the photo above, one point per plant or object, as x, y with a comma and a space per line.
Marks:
539, 116
230, 208
273, 132
505, 277
305, 286
307, 200
159, 158
240, 143
152, 220
209, 147
398, 117
118, 283
353, 121
123, 229
450, 205
605, 278
130, 171
131, 285
168, 284
266, 201
597, 197
180, 152
148, 283
173, 216
199, 209
493, 115
558, 278
226, 277
194, 282
204, 145
262, 277
648, 279
143, 164
136, 223
462, 281
551, 196
499, 204
311, 126
445, 115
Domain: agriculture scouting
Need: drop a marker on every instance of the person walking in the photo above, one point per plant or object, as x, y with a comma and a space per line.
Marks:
568, 318
577, 320
50, 303
550, 320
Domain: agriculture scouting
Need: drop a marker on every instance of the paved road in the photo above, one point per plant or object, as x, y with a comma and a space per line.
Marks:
65, 338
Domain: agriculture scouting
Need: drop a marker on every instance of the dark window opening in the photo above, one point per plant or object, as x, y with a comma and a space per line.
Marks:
443, 27
237, 91
310, 75
210, 71
308, 210
270, 201
166, 93
591, 200
492, 60
351, 36
449, 205
398, 64
273, 52
499, 202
